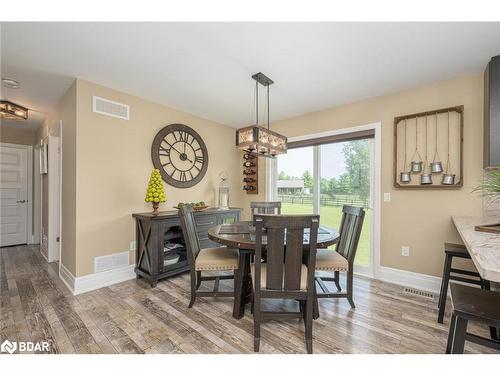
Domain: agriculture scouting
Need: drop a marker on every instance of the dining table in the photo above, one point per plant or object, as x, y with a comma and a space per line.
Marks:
483, 247
241, 236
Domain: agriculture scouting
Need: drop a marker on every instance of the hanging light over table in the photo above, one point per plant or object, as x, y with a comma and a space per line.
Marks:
258, 139
12, 111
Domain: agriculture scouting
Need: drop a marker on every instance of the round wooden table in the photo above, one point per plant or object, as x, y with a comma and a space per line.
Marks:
241, 236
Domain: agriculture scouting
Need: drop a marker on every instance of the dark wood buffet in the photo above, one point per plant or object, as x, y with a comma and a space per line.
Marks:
160, 244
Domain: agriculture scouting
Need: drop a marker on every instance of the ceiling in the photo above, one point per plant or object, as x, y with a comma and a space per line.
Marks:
205, 68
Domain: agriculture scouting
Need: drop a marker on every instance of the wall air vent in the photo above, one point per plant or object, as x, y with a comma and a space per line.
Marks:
110, 262
110, 108
419, 292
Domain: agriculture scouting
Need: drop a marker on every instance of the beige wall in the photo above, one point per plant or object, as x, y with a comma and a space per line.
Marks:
8, 134
106, 165
113, 164
419, 219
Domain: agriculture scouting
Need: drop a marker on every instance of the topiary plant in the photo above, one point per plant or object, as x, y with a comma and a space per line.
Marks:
156, 191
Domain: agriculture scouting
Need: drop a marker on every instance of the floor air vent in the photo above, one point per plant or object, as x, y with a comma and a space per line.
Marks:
417, 292
110, 108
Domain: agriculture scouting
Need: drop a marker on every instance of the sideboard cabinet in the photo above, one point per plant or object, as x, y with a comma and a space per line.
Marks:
161, 251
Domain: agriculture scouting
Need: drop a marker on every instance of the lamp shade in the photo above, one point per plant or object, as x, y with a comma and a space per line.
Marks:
12, 111
260, 140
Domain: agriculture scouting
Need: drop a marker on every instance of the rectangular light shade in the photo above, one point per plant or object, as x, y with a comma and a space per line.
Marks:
12, 111
260, 140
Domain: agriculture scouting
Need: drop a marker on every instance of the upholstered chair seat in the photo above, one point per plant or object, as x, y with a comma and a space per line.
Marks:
330, 260
217, 259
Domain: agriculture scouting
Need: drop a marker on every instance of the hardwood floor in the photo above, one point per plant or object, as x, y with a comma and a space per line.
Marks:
130, 317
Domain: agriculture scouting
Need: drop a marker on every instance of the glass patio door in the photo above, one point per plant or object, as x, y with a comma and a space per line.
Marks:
322, 178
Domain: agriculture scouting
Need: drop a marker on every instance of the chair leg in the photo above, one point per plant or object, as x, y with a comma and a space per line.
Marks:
309, 324
485, 284
193, 288
458, 344
350, 282
494, 333
198, 279
256, 324
337, 282
444, 288
450, 333
252, 303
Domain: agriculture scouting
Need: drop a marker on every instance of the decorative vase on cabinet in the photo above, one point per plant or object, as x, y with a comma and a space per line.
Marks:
223, 192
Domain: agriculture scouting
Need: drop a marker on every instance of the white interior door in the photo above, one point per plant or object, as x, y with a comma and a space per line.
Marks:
13, 195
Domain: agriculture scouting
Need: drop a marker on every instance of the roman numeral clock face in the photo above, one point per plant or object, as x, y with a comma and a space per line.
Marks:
180, 154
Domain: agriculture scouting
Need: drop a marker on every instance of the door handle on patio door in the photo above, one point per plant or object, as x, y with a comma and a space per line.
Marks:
23, 201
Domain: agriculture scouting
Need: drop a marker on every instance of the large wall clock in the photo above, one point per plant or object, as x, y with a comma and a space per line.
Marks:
180, 154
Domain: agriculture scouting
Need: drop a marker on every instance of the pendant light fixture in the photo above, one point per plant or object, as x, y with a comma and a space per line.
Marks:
259, 139
12, 111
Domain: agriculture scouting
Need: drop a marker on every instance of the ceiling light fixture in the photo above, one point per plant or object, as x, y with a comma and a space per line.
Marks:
10, 83
259, 139
12, 111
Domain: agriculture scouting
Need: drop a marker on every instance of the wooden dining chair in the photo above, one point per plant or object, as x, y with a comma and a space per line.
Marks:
210, 259
284, 276
265, 208
342, 259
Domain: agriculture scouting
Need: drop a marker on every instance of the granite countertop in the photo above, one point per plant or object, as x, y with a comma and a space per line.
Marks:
483, 247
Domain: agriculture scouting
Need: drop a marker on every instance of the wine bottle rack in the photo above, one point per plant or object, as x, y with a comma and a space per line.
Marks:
250, 173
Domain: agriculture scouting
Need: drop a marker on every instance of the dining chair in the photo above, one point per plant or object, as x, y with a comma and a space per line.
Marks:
265, 208
451, 251
284, 276
209, 259
342, 258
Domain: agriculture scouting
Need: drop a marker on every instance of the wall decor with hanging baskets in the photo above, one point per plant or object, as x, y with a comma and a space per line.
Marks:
428, 149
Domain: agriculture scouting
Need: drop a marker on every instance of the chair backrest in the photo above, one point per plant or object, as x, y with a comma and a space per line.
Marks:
350, 230
285, 250
189, 231
273, 208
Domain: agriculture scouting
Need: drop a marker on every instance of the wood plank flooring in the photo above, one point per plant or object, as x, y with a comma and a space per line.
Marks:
130, 317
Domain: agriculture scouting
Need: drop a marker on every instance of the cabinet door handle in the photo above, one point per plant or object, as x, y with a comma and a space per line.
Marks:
23, 201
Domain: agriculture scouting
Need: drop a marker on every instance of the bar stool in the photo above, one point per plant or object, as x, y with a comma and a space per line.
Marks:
472, 304
451, 251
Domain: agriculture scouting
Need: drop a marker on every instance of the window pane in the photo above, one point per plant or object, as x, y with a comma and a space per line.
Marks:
295, 181
345, 180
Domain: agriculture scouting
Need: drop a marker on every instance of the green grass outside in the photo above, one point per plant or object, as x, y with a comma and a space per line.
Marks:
330, 216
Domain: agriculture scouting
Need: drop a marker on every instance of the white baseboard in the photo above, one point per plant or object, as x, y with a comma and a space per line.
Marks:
43, 254
82, 284
101, 279
67, 277
410, 279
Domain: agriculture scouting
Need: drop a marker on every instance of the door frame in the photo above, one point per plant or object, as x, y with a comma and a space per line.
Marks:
376, 170
37, 196
54, 162
29, 189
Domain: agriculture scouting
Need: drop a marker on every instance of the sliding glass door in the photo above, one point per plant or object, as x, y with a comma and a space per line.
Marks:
295, 181
323, 178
